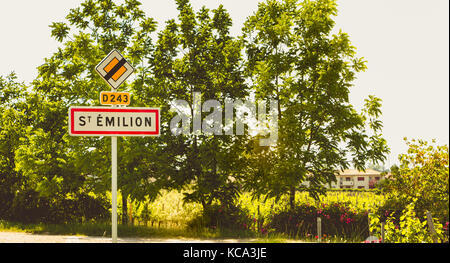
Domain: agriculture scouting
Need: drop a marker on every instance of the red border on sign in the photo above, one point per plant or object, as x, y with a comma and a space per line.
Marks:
124, 133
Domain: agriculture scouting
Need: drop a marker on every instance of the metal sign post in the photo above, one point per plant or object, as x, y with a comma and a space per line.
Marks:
113, 186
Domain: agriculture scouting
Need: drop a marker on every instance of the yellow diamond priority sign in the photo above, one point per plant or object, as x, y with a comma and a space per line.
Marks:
114, 69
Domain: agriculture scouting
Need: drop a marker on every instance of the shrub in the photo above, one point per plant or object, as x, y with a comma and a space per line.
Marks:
30, 207
423, 174
337, 220
408, 228
223, 218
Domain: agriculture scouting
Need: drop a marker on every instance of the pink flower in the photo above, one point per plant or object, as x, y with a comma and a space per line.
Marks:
373, 241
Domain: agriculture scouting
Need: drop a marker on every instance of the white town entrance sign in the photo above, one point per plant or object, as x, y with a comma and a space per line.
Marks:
108, 121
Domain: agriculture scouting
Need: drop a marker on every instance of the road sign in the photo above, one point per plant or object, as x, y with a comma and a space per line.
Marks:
114, 69
114, 98
107, 121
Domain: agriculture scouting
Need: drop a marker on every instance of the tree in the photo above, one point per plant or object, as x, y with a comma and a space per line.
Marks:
293, 57
60, 165
13, 121
198, 57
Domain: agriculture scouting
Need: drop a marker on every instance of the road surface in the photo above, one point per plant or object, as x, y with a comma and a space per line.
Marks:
19, 237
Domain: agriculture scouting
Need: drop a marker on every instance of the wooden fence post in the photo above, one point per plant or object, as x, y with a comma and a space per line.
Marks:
431, 227
319, 229
257, 221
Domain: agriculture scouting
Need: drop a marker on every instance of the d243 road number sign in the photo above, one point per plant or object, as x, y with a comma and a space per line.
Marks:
114, 98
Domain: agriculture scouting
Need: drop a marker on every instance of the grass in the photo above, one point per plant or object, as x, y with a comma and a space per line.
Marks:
99, 229
96, 229
91, 229
88, 229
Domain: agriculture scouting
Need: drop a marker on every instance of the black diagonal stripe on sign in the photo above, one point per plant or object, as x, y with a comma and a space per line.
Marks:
115, 69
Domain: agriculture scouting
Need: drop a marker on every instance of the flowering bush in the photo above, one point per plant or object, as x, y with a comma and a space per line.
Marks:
446, 232
338, 219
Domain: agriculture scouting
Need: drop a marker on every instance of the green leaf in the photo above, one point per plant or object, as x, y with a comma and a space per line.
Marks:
59, 30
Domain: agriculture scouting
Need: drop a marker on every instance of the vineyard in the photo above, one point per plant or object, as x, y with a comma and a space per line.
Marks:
347, 216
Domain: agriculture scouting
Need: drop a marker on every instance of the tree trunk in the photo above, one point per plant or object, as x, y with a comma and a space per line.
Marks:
292, 198
124, 209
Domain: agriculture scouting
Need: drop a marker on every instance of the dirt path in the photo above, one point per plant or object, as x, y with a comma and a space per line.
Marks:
18, 237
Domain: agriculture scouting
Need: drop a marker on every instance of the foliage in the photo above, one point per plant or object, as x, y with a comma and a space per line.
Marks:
222, 218
338, 219
264, 216
198, 55
55, 164
168, 207
30, 207
408, 228
344, 214
293, 57
13, 122
423, 175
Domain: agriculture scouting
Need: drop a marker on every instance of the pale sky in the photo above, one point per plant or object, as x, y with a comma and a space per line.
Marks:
406, 44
